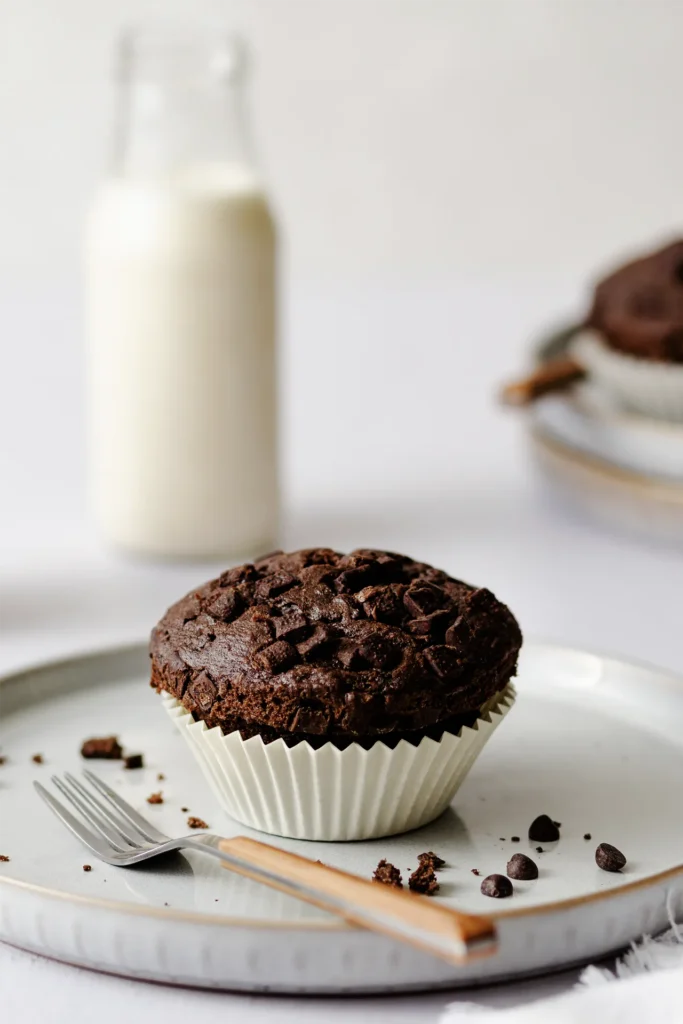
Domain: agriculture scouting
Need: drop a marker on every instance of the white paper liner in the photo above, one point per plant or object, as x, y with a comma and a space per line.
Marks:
650, 388
331, 794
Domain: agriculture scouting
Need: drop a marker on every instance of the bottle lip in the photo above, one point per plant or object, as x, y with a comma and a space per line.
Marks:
158, 49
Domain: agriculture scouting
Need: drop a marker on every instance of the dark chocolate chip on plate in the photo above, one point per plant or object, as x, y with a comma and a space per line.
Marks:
544, 830
107, 748
133, 761
522, 867
609, 858
497, 886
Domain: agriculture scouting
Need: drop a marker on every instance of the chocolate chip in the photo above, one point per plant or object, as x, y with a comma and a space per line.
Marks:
155, 798
349, 656
278, 657
4, 858
196, 823
539, 849
429, 625
497, 886
292, 625
383, 604
316, 642
354, 579
274, 585
443, 661
310, 720
106, 747
522, 867
239, 574
587, 835
514, 839
203, 691
184, 809
226, 605
133, 761
87, 867
379, 652
422, 599
3, 760
387, 874
544, 830
458, 633
38, 759
475, 871
609, 858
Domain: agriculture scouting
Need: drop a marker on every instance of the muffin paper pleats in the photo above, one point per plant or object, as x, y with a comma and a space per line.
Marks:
331, 794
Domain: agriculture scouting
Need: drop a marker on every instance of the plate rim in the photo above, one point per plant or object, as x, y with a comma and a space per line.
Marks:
333, 925
657, 488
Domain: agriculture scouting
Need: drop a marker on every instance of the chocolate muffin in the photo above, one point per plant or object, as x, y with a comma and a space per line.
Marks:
320, 646
638, 309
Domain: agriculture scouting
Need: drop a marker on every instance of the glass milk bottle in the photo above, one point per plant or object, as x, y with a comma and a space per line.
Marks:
180, 311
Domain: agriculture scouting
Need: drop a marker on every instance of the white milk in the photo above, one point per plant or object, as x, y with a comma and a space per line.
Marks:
180, 327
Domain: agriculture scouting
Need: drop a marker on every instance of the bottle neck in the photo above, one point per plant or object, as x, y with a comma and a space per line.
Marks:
180, 104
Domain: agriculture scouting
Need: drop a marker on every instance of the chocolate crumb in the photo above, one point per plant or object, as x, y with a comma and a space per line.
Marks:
161, 777
184, 809
431, 858
544, 830
609, 858
588, 836
475, 871
37, 759
539, 849
105, 747
196, 823
423, 879
4, 858
387, 874
501, 839
155, 798
133, 761
514, 839
87, 867
3, 760
522, 867
496, 886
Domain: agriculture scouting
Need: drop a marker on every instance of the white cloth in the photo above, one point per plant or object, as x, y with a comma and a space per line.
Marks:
646, 987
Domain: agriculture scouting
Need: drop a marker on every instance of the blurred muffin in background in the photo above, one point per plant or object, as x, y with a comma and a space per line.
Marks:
632, 345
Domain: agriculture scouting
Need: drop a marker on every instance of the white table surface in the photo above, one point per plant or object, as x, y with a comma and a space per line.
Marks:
391, 439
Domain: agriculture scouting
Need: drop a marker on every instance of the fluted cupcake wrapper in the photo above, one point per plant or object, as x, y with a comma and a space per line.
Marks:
648, 387
331, 794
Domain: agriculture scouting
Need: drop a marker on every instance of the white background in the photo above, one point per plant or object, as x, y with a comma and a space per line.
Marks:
449, 175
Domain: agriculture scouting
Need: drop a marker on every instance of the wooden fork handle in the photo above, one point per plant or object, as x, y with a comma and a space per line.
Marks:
404, 915
555, 375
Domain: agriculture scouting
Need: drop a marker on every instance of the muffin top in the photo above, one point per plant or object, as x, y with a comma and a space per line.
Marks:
319, 644
639, 308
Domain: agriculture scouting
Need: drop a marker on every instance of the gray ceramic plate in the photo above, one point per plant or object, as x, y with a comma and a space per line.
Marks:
594, 742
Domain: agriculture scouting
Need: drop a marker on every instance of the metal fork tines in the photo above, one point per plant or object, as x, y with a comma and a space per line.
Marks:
113, 830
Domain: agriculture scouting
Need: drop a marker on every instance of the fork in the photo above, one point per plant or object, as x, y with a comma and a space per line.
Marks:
117, 834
